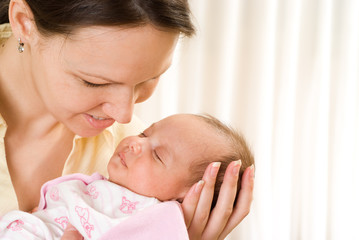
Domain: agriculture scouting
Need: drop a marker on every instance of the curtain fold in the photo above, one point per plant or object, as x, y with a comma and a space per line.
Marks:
285, 73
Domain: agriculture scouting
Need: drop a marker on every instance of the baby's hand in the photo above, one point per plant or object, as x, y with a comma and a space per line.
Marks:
71, 233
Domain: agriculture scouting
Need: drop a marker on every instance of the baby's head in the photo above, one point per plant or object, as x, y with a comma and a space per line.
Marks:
171, 155
234, 147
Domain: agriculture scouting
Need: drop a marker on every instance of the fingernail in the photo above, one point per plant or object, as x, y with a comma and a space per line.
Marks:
237, 165
199, 186
215, 168
252, 171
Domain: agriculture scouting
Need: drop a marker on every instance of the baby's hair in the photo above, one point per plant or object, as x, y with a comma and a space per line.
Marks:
237, 149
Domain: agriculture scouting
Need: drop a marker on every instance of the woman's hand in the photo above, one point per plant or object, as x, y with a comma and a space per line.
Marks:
71, 233
34, 210
203, 224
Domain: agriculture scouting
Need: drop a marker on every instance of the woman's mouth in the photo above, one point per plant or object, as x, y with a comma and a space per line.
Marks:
99, 122
97, 118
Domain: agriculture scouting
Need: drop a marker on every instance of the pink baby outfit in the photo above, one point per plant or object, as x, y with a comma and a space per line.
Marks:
98, 209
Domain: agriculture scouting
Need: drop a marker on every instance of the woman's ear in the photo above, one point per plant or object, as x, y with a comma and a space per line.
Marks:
21, 20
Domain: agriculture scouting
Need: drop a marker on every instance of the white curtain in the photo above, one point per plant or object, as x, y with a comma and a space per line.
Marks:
285, 73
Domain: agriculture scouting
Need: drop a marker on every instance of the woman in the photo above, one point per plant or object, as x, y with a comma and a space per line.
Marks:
69, 71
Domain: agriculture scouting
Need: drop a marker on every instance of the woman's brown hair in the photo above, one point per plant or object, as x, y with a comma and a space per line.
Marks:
63, 17
4, 6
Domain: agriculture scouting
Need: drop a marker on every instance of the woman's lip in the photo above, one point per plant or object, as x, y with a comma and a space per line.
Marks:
123, 158
99, 123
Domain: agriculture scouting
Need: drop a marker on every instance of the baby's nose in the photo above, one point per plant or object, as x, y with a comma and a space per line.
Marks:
135, 147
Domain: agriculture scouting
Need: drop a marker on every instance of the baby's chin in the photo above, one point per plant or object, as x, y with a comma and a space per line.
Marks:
179, 197
112, 177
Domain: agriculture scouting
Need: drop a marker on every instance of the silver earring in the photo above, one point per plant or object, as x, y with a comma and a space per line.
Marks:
20, 48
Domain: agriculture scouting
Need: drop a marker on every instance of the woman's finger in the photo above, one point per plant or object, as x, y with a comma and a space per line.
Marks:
201, 215
190, 202
34, 210
244, 200
224, 206
71, 233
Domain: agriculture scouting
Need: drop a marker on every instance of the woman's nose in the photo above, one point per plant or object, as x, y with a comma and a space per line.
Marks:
121, 114
120, 108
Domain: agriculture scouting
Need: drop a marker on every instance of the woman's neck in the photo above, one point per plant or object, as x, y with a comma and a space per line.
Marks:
20, 104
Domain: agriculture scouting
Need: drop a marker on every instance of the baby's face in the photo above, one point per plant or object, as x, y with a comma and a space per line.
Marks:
156, 163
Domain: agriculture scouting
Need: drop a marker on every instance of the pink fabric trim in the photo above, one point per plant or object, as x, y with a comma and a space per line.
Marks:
77, 176
161, 221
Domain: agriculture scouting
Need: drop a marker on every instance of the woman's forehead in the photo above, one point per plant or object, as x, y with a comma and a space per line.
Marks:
120, 55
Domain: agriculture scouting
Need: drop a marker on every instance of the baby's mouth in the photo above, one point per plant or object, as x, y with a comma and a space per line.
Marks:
123, 158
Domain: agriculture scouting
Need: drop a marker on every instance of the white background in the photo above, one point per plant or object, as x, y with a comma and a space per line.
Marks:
285, 73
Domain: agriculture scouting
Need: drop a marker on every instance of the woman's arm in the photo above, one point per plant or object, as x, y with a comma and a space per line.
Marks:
203, 224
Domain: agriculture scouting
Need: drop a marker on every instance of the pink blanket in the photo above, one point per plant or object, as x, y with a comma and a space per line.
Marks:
161, 221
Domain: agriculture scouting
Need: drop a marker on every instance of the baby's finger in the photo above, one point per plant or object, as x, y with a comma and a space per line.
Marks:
34, 210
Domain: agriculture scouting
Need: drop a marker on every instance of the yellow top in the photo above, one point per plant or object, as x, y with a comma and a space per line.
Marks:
88, 155
5, 32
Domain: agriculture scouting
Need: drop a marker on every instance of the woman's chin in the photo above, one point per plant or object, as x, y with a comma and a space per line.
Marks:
86, 131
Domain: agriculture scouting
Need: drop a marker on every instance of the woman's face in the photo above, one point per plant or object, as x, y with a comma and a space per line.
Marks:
94, 77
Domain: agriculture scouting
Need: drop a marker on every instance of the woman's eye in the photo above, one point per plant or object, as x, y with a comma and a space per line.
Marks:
90, 84
141, 134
